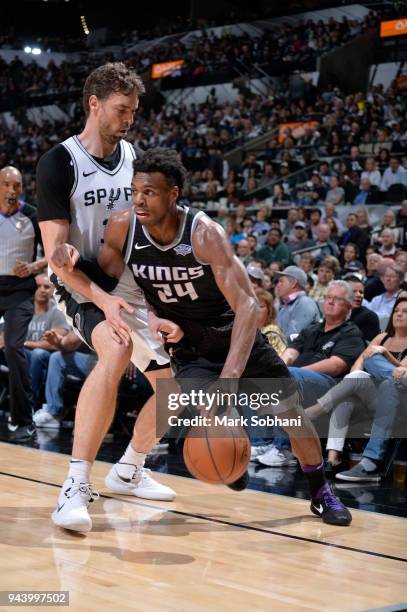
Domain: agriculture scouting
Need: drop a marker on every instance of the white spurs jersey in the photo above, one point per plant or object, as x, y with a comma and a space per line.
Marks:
95, 194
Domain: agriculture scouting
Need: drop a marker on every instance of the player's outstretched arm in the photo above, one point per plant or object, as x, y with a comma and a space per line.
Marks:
55, 235
212, 246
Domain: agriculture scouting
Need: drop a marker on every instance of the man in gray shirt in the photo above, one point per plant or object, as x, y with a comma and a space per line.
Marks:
37, 349
297, 310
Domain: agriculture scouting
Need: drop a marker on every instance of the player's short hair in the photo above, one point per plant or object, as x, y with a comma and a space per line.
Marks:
113, 77
166, 161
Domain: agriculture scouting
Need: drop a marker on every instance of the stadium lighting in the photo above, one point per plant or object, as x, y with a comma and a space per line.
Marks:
84, 25
36, 51
27, 49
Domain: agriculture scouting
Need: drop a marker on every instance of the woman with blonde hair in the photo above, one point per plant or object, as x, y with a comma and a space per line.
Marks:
267, 322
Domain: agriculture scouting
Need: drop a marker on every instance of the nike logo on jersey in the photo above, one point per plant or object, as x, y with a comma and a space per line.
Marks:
88, 173
138, 247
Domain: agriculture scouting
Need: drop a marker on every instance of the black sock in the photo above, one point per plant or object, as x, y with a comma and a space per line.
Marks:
315, 475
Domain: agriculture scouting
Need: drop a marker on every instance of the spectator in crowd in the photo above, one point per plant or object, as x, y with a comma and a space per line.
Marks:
388, 222
375, 265
336, 194
297, 310
331, 214
392, 279
366, 320
327, 270
267, 321
307, 264
327, 350
363, 219
388, 247
301, 240
19, 239
401, 261
349, 259
374, 385
316, 356
365, 195
243, 252
256, 274
289, 227
274, 249
261, 227
314, 191
371, 173
70, 357
395, 174
315, 222
253, 244
326, 245
354, 234
37, 349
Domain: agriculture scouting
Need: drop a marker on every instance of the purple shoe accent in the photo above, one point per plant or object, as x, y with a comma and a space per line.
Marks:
307, 469
326, 495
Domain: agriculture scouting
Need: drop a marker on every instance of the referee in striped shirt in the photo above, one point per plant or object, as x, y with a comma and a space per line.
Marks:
19, 239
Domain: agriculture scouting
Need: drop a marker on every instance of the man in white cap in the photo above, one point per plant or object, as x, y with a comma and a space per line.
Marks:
297, 310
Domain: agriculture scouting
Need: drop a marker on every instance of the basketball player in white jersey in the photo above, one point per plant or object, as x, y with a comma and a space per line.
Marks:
79, 183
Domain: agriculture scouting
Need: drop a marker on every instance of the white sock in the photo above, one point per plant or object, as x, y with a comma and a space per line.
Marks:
79, 469
130, 460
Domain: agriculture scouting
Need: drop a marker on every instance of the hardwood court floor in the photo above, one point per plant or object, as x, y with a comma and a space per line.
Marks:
211, 549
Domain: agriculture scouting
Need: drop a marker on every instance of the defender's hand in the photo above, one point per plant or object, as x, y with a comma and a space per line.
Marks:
65, 256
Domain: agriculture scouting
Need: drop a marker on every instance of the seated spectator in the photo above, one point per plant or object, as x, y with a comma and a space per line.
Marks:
388, 247
401, 261
326, 245
363, 219
261, 227
331, 214
37, 349
307, 264
289, 226
349, 258
267, 321
253, 244
301, 240
374, 384
371, 173
366, 195
327, 270
274, 249
313, 192
366, 320
327, 350
279, 197
336, 194
243, 252
394, 174
388, 222
315, 221
392, 279
297, 310
256, 274
72, 357
374, 269
354, 234
233, 231
316, 356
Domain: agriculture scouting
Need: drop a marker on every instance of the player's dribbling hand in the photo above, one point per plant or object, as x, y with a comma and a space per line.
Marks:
65, 256
112, 307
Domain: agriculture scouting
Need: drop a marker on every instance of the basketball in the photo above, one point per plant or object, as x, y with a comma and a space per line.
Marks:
217, 459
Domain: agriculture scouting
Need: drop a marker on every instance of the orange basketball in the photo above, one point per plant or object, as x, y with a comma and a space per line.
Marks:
220, 459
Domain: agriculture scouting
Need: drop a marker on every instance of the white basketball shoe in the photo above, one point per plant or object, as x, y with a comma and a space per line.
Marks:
72, 506
141, 484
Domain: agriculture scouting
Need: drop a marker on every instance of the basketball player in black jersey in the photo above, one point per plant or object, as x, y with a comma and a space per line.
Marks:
189, 274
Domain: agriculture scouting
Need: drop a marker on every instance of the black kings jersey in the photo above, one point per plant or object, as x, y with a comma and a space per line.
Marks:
178, 286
